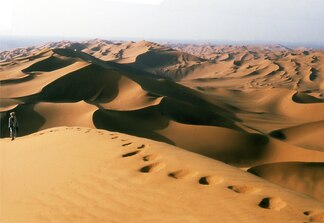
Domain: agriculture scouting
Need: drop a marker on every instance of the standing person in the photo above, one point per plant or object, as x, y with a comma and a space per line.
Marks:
13, 125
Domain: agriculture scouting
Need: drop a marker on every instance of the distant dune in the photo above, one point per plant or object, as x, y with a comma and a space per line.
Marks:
258, 108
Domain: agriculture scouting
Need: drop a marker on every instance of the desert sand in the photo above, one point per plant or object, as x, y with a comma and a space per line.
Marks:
74, 174
142, 132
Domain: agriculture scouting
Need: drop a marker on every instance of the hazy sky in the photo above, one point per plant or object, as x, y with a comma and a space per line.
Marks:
232, 20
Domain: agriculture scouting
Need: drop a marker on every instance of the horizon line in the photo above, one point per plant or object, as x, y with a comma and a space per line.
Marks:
37, 40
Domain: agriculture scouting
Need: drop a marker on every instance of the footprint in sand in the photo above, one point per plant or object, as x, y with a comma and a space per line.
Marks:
141, 146
243, 189
114, 137
273, 203
131, 153
154, 167
127, 144
89, 130
210, 180
315, 216
151, 157
182, 174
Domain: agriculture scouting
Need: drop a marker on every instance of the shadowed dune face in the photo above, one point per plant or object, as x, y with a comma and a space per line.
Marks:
244, 105
91, 83
157, 123
27, 117
142, 122
50, 64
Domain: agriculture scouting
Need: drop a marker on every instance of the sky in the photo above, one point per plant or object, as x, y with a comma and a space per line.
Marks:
210, 20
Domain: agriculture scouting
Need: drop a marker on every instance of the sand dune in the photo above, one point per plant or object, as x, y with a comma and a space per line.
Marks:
304, 177
95, 176
308, 136
253, 107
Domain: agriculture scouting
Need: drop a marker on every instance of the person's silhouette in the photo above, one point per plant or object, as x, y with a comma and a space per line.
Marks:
13, 125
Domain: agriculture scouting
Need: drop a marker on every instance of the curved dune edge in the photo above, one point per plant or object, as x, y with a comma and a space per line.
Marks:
12, 70
98, 176
39, 81
8, 104
309, 136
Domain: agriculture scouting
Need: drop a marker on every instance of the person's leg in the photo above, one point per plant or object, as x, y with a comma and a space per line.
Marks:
11, 133
14, 132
